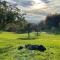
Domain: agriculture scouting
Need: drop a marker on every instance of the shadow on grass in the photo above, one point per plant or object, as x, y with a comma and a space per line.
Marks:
26, 38
5, 49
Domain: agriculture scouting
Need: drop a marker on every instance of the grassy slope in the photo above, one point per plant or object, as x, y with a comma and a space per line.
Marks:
9, 43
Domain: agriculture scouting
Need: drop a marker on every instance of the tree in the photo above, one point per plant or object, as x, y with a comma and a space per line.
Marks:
42, 25
37, 30
53, 20
3, 14
10, 15
28, 29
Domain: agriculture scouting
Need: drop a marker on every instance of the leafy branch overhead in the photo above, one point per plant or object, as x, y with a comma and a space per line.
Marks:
10, 15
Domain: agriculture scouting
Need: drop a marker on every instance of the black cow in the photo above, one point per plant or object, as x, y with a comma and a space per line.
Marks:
41, 48
36, 47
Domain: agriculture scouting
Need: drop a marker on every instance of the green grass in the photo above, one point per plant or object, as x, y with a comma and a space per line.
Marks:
10, 41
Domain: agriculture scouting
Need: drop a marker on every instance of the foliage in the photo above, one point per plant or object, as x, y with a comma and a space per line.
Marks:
10, 18
53, 20
51, 24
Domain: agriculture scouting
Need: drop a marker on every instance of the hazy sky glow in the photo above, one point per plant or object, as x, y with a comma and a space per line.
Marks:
37, 9
29, 4
37, 4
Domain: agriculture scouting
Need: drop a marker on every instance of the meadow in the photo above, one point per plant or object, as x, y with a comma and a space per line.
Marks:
9, 43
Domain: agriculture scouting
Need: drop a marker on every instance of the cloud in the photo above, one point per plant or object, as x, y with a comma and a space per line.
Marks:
11, 1
35, 18
37, 9
26, 3
31, 4
34, 5
55, 5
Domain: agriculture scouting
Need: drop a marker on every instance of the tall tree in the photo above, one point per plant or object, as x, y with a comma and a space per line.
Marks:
29, 29
53, 20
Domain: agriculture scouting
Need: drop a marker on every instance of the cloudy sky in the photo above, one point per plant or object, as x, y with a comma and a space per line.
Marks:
37, 9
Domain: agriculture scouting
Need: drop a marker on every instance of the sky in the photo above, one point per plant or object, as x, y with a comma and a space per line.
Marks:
37, 10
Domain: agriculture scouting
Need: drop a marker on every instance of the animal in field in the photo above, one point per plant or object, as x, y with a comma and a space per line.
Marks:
35, 47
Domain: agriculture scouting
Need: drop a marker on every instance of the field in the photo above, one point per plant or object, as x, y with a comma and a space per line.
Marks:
9, 43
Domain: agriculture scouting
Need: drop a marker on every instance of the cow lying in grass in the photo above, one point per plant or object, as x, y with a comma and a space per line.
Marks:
36, 47
33, 47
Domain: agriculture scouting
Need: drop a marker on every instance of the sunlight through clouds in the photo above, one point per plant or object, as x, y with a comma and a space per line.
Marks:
52, 5
37, 9
31, 4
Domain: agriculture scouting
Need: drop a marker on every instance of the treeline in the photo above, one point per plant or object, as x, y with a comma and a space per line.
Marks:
11, 19
51, 23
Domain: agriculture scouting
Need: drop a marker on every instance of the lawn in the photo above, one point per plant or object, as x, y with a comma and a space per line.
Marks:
9, 43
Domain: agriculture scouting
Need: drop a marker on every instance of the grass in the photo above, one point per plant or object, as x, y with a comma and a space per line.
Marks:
10, 41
